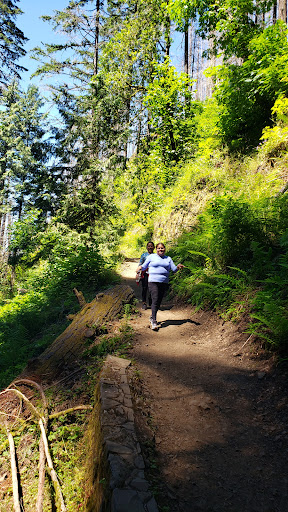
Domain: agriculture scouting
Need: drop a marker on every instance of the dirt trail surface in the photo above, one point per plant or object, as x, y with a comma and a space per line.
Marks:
217, 411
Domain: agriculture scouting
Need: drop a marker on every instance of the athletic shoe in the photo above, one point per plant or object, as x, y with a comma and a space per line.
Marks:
154, 325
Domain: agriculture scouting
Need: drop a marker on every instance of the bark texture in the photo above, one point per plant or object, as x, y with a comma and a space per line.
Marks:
65, 350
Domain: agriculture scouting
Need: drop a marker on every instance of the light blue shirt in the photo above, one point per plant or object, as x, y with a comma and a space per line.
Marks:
143, 257
159, 268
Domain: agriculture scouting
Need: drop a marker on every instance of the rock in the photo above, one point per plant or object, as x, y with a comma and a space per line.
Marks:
124, 500
119, 470
107, 403
118, 362
139, 462
140, 484
118, 448
89, 333
151, 505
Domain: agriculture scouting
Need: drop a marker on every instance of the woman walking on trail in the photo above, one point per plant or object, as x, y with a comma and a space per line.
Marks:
159, 267
144, 279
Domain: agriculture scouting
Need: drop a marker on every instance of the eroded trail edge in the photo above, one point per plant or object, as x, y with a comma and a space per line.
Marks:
211, 410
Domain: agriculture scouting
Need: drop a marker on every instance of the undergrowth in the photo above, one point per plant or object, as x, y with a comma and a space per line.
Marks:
69, 435
59, 260
236, 263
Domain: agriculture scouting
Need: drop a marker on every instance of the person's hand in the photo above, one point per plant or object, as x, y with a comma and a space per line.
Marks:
138, 268
179, 266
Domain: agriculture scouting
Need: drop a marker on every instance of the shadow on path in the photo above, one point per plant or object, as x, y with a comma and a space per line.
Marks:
166, 323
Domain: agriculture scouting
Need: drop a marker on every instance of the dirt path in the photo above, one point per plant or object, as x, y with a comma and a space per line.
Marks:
218, 412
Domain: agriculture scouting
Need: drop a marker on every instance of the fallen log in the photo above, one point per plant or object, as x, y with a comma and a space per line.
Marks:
65, 350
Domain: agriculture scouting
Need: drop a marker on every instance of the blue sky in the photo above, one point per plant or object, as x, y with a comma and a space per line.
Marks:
37, 31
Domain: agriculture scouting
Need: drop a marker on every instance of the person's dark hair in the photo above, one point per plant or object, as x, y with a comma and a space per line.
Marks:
160, 243
150, 243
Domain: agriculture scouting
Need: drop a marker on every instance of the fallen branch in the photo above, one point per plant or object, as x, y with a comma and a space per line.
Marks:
24, 398
246, 341
239, 351
41, 479
4, 445
44, 420
67, 411
59, 496
64, 378
34, 384
16, 498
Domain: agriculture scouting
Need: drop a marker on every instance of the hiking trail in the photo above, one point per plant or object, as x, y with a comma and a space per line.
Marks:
215, 408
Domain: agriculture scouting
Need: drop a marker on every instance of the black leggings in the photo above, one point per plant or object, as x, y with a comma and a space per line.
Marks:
157, 291
144, 282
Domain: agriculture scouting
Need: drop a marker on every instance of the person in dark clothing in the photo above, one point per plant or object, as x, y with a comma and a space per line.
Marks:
144, 275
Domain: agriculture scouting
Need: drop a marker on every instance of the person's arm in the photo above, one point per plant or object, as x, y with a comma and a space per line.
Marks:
144, 265
142, 259
174, 267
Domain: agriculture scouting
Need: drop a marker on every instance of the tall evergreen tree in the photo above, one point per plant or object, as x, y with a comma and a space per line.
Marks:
12, 40
27, 179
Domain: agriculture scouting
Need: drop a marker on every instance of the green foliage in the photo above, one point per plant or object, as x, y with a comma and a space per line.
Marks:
229, 23
247, 92
236, 262
181, 11
117, 344
172, 110
274, 145
27, 179
235, 226
63, 259
12, 41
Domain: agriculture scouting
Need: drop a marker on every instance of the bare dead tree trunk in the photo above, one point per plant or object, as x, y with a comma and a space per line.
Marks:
193, 54
282, 10
96, 40
2, 234
186, 49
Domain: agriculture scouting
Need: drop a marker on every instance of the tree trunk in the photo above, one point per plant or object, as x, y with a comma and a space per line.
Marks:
186, 49
282, 10
167, 36
68, 347
193, 55
274, 15
96, 41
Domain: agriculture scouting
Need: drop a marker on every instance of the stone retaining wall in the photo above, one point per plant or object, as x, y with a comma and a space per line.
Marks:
129, 487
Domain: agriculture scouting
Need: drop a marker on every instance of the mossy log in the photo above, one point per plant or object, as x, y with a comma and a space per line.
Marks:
65, 350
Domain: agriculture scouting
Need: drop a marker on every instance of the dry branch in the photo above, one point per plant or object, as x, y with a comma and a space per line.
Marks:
67, 411
24, 398
41, 479
34, 384
59, 496
16, 499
